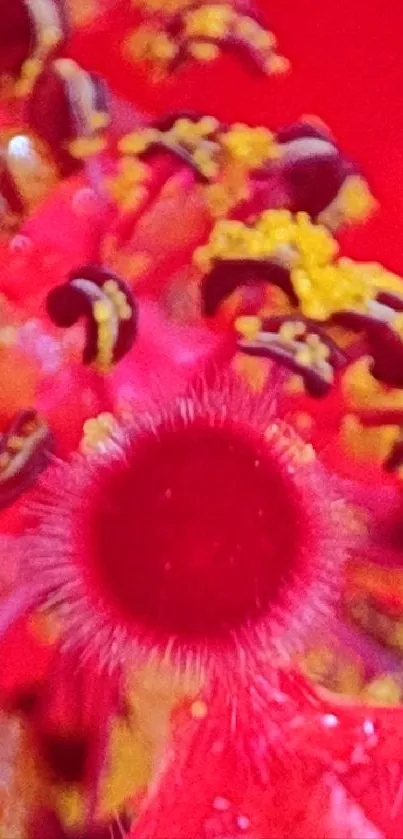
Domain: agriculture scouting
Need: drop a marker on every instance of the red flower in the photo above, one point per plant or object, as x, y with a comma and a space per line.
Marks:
164, 281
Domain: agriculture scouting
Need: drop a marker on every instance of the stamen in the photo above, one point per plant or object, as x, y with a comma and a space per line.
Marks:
202, 31
228, 275
108, 305
297, 344
68, 106
40, 27
24, 453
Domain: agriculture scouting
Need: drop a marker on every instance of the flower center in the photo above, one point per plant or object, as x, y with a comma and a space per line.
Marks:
197, 535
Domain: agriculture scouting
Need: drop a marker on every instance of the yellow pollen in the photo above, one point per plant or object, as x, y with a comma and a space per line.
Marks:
148, 44
138, 141
291, 331
323, 284
15, 444
251, 146
368, 444
248, 326
203, 51
199, 710
128, 186
71, 806
96, 432
362, 391
355, 199
87, 146
211, 21
384, 690
99, 120
101, 311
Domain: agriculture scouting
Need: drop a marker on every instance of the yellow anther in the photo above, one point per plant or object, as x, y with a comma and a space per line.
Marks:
102, 311
71, 806
138, 141
355, 199
304, 356
87, 146
199, 710
251, 146
125, 312
277, 64
204, 51
248, 326
148, 44
291, 330
128, 186
368, 444
362, 391
99, 120
384, 690
15, 444
210, 21
110, 287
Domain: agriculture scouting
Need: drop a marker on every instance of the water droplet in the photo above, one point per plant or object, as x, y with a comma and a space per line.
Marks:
368, 727
221, 804
243, 822
330, 720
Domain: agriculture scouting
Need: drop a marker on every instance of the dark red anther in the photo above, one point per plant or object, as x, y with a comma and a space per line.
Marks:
231, 40
108, 305
11, 204
28, 28
313, 167
294, 352
394, 461
229, 274
25, 447
385, 342
65, 105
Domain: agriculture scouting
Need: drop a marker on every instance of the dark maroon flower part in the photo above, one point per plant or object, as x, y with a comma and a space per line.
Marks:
385, 342
29, 31
313, 168
299, 345
108, 306
66, 105
229, 274
25, 447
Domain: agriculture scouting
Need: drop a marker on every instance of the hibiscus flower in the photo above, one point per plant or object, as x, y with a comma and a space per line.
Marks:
200, 446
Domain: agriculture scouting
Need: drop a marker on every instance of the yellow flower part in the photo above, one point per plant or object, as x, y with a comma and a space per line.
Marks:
334, 670
149, 44
363, 392
70, 806
129, 766
251, 146
368, 444
167, 6
355, 199
96, 433
322, 284
138, 141
128, 187
210, 21
385, 690
204, 51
